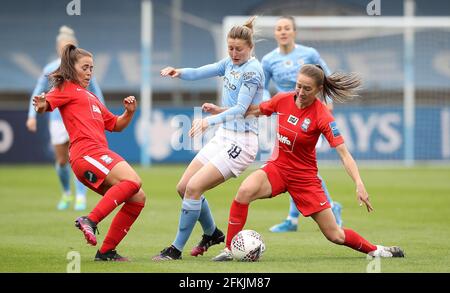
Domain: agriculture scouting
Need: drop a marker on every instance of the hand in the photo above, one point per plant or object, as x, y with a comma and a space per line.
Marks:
363, 197
198, 127
211, 108
31, 124
130, 104
170, 71
40, 103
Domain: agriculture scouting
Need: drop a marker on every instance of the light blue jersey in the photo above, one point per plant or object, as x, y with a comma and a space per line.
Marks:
243, 85
43, 86
283, 68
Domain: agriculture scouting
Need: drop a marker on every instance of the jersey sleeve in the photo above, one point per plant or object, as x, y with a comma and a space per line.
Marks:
57, 98
206, 71
328, 127
108, 118
269, 107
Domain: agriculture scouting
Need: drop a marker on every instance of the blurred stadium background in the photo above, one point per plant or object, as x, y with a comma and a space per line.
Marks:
402, 119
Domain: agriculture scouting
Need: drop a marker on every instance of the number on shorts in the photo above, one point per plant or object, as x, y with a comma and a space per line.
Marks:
234, 151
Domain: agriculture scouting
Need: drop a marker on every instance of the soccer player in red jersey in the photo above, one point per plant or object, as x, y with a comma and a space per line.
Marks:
99, 168
302, 118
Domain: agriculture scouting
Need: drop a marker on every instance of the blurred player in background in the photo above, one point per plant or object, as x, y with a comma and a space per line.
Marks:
102, 170
282, 66
302, 118
234, 146
58, 134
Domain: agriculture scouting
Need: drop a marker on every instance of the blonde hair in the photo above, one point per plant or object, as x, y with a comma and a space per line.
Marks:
66, 34
243, 32
339, 86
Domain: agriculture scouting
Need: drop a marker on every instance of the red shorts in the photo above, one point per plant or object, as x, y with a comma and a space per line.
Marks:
307, 193
92, 168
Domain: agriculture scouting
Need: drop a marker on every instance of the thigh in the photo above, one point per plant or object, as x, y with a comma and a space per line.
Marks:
121, 171
61, 152
204, 179
275, 178
255, 186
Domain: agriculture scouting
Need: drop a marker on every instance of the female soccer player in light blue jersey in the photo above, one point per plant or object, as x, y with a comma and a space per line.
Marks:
234, 146
282, 66
58, 134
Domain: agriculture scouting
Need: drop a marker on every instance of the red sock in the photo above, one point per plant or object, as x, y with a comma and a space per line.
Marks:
114, 197
238, 217
355, 241
121, 225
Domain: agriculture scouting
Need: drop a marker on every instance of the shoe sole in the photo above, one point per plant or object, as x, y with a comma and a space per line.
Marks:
90, 238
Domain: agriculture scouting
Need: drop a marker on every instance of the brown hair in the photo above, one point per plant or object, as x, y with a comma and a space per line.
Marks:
243, 32
339, 86
66, 70
291, 18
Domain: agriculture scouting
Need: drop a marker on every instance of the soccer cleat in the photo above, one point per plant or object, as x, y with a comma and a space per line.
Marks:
387, 251
168, 253
285, 226
337, 211
110, 255
64, 202
208, 241
80, 203
225, 255
89, 228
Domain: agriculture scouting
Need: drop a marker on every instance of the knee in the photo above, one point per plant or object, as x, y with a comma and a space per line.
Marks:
192, 191
181, 189
139, 196
245, 194
61, 162
335, 236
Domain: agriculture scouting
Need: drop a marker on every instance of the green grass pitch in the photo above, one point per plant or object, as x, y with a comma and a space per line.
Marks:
412, 209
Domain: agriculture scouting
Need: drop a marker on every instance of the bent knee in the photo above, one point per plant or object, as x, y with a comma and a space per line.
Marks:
335, 237
181, 189
192, 191
245, 194
139, 196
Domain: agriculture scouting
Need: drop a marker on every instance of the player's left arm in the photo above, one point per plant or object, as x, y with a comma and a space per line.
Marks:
130, 104
352, 170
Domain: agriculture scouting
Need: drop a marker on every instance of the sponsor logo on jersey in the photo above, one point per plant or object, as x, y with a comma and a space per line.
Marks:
283, 139
293, 120
306, 124
334, 129
96, 109
248, 75
107, 159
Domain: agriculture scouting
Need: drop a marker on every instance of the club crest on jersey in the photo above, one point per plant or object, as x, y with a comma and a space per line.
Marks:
334, 129
107, 159
288, 63
96, 109
306, 124
293, 120
300, 61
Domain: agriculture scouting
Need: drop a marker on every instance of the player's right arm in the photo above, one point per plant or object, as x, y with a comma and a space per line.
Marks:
206, 71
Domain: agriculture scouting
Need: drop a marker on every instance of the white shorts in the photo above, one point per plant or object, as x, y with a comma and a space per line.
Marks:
58, 132
230, 152
319, 142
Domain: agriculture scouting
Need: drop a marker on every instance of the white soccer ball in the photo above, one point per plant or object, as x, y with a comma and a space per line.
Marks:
247, 245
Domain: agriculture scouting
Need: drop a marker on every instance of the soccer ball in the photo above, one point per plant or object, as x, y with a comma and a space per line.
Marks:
247, 245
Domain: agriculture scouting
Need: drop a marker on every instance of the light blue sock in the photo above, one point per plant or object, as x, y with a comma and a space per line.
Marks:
325, 189
190, 212
206, 218
80, 188
64, 176
293, 211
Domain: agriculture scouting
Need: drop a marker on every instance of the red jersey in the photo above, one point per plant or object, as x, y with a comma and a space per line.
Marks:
298, 132
84, 117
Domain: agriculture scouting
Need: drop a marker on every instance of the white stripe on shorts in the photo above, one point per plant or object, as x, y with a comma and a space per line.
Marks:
97, 164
